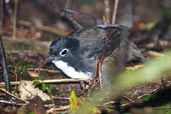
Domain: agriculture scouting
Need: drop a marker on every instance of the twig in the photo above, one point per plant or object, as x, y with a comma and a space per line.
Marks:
160, 94
96, 74
105, 45
139, 97
162, 44
107, 12
4, 65
10, 103
62, 81
61, 108
115, 11
127, 98
68, 4
99, 62
155, 54
49, 81
100, 75
43, 28
134, 67
15, 19
61, 98
43, 69
13, 95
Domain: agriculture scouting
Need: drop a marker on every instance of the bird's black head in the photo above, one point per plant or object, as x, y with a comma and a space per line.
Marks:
64, 54
62, 49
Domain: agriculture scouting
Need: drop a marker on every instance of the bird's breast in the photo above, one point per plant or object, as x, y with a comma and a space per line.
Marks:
71, 71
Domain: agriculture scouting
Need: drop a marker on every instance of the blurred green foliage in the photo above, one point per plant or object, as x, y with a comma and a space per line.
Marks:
153, 69
166, 12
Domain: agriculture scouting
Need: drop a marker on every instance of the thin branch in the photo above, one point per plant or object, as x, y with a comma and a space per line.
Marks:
61, 108
100, 74
11, 95
3, 59
106, 43
96, 74
15, 19
43, 69
115, 11
43, 28
68, 4
49, 81
11, 103
107, 15
99, 61
104, 54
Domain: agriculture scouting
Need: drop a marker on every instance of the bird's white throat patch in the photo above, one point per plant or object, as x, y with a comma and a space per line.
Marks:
71, 72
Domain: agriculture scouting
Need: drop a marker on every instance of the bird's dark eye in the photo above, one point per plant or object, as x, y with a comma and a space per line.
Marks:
64, 52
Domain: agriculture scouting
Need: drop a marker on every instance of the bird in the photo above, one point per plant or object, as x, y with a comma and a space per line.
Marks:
75, 54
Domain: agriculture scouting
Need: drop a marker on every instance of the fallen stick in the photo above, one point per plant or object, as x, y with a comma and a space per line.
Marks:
43, 28
48, 81
43, 69
10, 94
61, 108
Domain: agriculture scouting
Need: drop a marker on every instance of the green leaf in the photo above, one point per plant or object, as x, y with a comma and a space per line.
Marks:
74, 101
150, 25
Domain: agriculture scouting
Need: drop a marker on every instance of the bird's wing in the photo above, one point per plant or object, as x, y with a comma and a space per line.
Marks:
93, 40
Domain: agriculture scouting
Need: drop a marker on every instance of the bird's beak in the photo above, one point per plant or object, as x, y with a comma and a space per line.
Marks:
49, 60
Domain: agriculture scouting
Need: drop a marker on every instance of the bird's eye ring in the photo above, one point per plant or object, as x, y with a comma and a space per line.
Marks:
64, 52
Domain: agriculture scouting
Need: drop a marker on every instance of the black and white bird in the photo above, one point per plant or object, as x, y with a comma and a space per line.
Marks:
75, 54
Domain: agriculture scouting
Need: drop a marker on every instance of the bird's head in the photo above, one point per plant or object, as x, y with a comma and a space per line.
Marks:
62, 49
64, 54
